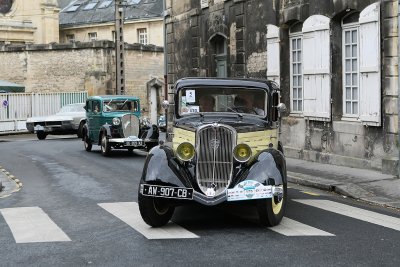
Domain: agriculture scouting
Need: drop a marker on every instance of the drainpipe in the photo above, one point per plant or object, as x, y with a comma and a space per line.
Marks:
398, 91
165, 63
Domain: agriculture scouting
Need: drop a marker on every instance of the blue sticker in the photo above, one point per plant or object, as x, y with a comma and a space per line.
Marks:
5, 103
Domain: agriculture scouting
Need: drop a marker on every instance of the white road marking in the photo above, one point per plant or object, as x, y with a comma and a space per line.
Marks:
353, 212
129, 213
32, 224
289, 227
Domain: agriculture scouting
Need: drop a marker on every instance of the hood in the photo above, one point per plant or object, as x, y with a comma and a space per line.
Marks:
243, 123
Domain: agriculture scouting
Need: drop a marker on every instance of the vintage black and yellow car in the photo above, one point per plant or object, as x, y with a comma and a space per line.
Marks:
223, 147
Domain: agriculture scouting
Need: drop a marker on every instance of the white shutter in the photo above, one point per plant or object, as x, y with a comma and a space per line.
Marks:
370, 76
317, 68
273, 53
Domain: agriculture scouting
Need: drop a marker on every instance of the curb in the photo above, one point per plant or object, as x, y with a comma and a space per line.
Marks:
348, 190
17, 182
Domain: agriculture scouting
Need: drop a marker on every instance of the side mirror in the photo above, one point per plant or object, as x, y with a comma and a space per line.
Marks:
281, 107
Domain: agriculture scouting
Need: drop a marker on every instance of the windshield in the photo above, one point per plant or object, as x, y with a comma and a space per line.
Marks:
120, 105
234, 100
72, 108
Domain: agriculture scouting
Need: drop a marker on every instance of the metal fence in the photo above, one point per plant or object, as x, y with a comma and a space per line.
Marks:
17, 107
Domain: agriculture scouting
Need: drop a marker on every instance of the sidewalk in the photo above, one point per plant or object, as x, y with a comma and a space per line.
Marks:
366, 185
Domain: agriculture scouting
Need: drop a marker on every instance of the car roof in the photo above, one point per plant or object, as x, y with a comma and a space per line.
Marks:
223, 82
109, 97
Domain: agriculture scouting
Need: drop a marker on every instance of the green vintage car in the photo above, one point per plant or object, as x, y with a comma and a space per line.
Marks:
114, 122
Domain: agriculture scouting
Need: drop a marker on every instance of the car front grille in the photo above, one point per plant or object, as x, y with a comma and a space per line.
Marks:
214, 148
130, 125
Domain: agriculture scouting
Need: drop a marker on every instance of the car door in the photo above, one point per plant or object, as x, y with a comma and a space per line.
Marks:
94, 118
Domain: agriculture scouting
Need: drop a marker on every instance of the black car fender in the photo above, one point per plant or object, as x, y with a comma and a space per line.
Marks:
161, 168
150, 133
268, 167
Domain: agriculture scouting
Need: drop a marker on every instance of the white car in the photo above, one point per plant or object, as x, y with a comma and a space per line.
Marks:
69, 120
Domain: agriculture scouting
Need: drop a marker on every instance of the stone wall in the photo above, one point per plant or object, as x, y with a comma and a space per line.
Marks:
81, 67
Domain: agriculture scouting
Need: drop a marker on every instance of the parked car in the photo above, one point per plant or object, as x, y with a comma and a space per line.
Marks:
114, 121
226, 152
69, 120
162, 125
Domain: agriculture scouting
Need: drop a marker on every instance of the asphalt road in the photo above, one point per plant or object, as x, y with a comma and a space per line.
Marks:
80, 209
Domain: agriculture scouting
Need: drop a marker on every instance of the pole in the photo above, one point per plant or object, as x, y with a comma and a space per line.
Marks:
119, 48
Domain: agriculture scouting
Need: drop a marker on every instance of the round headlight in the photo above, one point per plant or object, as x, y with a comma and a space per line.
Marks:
185, 151
242, 152
116, 121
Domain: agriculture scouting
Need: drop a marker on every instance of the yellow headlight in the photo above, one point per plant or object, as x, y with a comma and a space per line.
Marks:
185, 151
242, 152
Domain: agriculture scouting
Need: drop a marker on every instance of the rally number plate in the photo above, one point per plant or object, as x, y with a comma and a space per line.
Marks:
166, 191
133, 143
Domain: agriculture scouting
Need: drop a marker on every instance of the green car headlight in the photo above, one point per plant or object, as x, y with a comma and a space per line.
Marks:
185, 151
116, 121
242, 152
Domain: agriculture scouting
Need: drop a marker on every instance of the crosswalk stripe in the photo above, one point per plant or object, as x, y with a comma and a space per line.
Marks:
129, 213
32, 224
289, 227
353, 212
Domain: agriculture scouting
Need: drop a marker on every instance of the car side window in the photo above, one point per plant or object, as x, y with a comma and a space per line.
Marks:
96, 106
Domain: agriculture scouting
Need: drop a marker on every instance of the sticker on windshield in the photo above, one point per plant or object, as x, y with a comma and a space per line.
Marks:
190, 96
190, 109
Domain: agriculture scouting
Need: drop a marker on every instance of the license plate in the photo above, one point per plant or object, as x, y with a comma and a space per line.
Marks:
166, 191
133, 143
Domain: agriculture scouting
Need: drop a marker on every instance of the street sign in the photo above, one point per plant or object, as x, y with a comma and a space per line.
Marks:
5, 103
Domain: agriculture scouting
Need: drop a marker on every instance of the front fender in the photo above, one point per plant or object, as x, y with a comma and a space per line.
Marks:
160, 168
268, 167
150, 133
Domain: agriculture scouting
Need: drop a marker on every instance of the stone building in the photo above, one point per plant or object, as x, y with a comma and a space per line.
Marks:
67, 45
335, 61
33, 21
87, 20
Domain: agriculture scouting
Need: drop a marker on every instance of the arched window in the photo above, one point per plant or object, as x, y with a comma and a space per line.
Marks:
351, 61
296, 68
361, 66
218, 43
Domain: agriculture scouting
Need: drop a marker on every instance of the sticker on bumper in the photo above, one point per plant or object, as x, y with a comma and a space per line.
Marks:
248, 190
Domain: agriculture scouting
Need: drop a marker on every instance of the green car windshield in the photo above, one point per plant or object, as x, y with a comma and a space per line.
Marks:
234, 100
118, 105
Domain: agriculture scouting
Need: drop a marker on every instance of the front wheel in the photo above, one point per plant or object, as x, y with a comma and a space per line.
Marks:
41, 135
105, 146
154, 212
271, 210
87, 143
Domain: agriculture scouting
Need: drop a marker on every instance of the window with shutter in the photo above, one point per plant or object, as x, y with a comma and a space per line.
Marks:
296, 69
370, 85
273, 53
317, 68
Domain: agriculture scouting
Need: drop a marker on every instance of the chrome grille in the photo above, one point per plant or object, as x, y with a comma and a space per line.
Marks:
214, 148
130, 125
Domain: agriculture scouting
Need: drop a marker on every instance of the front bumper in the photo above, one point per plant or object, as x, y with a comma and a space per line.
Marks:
55, 128
238, 193
131, 141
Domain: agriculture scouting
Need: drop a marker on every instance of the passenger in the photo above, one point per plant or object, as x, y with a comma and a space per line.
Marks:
207, 103
244, 103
